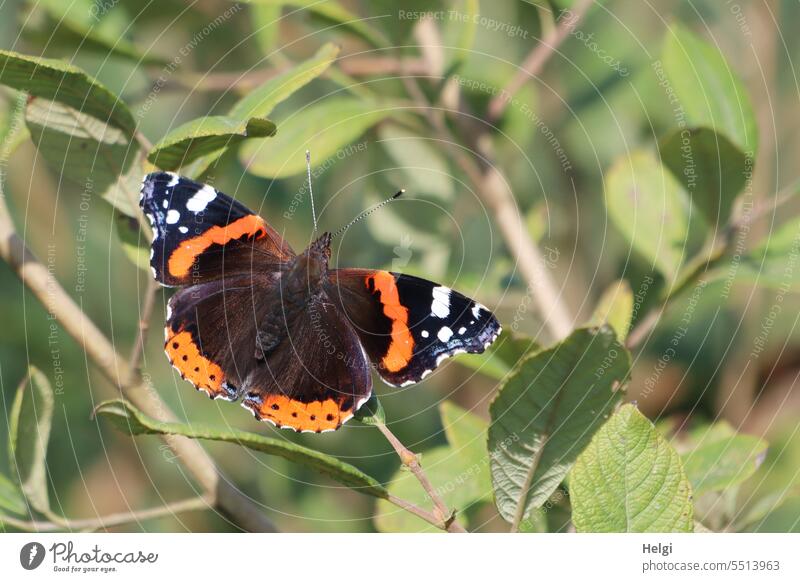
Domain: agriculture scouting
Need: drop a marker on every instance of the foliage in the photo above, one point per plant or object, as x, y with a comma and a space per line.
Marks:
625, 199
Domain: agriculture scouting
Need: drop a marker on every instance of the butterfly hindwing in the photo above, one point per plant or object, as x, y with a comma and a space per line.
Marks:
201, 234
409, 325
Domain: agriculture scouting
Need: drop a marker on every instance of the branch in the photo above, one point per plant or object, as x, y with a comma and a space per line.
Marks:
442, 517
35, 276
536, 59
492, 187
58, 523
149, 302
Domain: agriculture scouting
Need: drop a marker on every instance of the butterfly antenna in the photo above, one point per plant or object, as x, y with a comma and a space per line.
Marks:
368, 212
310, 191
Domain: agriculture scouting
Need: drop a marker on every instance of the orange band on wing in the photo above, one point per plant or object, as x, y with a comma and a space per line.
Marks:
401, 347
309, 416
183, 257
184, 354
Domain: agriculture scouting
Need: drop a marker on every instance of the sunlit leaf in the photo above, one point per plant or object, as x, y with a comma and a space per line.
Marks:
326, 128
629, 479
422, 163
58, 81
615, 308
649, 207
717, 461
128, 419
262, 100
332, 12
29, 434
92, 154
205, 136
708, 90
711, 169
547, 411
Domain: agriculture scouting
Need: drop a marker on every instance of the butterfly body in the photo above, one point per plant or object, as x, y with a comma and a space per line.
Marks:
292, 338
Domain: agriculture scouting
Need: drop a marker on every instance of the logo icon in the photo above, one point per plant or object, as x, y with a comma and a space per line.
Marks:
31, 555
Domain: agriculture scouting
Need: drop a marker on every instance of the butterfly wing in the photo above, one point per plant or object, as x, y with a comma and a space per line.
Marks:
202, 234
316, 378
313, 381
409, 325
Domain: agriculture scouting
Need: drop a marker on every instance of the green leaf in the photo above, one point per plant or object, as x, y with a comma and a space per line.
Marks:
782, 519
205, 136
709, 167
420, 160
459, 472
629, 479
325, 128
98, 157
615, 308
501, 357
333, 13
547, 411
371, 412
772, 263
649, 207
58, 81
715, 464
74, 24
265, 20
132, 421
29, 433
11, 499
261, 101
133, 243
707, 88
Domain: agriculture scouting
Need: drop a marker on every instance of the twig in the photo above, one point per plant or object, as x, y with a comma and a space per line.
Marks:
35, 276
442, 517
245, 80
536, 59
58, 523
150, 293
493, 189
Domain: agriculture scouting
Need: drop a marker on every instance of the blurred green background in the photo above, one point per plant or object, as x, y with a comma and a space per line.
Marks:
441, 230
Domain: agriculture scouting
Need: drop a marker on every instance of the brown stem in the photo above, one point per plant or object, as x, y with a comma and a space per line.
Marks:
149, 302
493, 188
102, 522
35, 276
536, 59
442, 517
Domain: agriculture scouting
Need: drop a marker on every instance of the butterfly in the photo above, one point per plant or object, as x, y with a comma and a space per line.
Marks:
292, 338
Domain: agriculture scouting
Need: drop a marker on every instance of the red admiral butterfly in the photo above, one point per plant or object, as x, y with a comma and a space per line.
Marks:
293, 338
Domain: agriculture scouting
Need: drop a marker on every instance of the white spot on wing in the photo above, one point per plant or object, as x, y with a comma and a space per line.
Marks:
165, 204
477, 309
445, 334
425, 333
173, 216
200, 200
173, 180
462, 330
183, 229
440, 306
